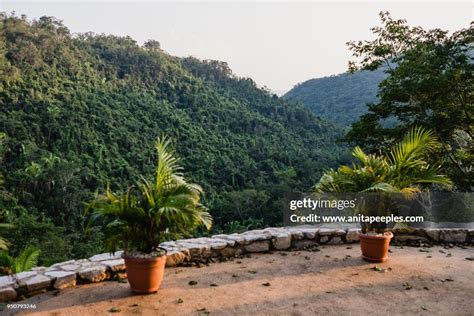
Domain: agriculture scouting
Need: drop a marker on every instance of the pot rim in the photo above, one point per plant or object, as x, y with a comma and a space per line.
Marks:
390, 236
125, 255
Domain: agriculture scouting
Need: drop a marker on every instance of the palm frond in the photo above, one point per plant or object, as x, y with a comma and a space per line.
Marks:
4, 244
167, 163
416, 145
382, 187
359, 154
27, 259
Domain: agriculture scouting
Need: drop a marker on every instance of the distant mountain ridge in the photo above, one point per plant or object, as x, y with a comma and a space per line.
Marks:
342, 98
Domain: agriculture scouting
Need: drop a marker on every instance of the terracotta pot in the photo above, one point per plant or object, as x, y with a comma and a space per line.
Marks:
375, 248
145, 275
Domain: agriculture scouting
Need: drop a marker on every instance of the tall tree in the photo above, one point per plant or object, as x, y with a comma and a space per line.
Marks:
429, 84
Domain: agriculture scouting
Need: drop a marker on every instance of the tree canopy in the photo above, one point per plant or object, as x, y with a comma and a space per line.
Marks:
429, 83
339, 99
81, 111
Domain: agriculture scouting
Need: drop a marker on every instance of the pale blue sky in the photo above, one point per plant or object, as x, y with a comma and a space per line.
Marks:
277, 44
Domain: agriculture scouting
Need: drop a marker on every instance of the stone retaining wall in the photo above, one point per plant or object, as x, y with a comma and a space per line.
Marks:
107, 266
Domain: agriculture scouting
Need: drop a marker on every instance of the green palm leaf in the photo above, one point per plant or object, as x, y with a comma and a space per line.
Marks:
27, 259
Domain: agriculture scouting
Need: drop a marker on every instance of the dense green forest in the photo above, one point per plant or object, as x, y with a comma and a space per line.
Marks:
80, 111
429, 83
340, 99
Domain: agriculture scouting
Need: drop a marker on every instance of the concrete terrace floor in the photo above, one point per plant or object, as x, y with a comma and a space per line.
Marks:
332, 281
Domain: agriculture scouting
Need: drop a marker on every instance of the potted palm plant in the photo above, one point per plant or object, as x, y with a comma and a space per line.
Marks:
404, 171
147, 214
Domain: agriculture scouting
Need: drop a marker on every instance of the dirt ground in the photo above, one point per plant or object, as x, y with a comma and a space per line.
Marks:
333, 281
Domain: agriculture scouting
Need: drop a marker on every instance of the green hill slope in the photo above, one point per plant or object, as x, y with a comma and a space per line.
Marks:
340, 99
83, 111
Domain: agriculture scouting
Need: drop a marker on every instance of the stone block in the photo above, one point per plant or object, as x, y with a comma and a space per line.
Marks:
282, 241
310, 233
36, 283
7, 294
168, 244
70, 267
62, 263
432, 233
93, 274
336, 240
409, 238
253, 237
238, 238
323, 239
303, 243
195, 250
228, 252
217, 244
114, 265
453, 235
169, 248
198, 241
353, 235
206, 252
327, 231
258, 246
25, 275
340, 232
274, 231
175, 258
296, 234
6, 281
62, 279
106, 256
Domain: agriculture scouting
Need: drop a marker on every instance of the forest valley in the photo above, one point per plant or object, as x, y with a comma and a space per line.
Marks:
79, 112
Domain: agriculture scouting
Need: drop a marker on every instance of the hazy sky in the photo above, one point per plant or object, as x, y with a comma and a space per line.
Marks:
278, 44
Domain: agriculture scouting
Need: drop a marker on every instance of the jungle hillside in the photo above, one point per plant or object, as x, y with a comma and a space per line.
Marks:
340, 99
81, 111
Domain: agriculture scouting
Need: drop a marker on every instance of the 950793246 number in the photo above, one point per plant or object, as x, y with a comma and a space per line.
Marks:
21, 306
